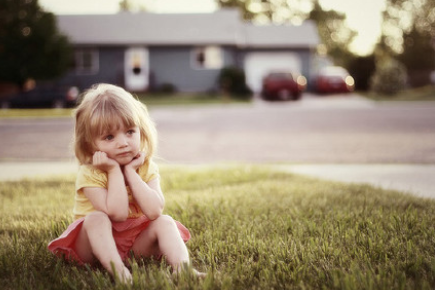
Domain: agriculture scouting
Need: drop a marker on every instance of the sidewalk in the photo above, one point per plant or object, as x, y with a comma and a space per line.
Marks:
409, 178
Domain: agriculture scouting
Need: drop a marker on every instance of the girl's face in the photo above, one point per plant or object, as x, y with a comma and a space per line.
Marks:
120, 143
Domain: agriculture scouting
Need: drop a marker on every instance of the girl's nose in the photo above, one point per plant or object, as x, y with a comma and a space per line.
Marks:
122, 142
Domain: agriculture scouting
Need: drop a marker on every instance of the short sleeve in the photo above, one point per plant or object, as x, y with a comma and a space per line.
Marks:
89, 176
149, 171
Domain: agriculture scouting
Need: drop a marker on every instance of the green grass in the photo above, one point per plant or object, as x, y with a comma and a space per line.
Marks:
426, 93
252, 228
35, 113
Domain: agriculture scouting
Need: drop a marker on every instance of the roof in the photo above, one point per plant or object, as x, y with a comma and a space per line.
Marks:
223, 27
304, 35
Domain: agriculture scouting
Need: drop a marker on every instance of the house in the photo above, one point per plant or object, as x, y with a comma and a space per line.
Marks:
143, 51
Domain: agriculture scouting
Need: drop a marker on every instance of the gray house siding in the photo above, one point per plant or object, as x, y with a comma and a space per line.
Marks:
170, 41
168, 65
175, 65
110, 62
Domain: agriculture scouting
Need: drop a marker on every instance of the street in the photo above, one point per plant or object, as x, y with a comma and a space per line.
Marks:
341, 138
341, 129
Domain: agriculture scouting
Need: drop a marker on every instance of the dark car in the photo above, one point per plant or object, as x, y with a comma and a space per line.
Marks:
43, 95
334, 79
283, 86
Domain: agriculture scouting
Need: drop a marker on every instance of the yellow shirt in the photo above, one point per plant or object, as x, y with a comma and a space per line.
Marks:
89, 176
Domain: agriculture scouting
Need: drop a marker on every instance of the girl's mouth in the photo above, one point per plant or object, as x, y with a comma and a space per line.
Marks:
124, 154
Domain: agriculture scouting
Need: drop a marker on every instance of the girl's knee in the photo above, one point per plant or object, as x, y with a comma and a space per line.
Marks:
165, 220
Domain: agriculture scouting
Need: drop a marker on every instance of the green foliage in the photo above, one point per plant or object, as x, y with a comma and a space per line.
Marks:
167, 88
426, 93
30, 44
252, 228
232, 81
390, 77
333, 31
418, 56
403, 16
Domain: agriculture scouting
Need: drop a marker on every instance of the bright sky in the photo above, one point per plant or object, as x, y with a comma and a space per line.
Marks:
364, 16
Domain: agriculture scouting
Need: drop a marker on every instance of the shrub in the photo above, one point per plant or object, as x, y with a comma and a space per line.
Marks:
167, 88
389, 78
232, 81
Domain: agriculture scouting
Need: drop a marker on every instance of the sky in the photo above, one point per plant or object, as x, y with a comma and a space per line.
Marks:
364, 16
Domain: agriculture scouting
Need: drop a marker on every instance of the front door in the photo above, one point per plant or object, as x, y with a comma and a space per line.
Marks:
136, 69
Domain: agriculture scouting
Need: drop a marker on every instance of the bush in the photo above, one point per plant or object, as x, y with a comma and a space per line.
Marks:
389, 78
232, 81
167, 88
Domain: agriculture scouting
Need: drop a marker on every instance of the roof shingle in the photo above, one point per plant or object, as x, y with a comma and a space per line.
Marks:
223, 27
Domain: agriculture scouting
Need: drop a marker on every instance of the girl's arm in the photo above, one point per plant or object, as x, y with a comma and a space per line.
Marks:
149, 196
114, 200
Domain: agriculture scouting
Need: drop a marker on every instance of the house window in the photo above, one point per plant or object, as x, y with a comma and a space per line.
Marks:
208, 57
86, 61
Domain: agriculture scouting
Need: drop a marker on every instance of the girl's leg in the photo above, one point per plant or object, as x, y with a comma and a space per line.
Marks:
96, 240
162, 238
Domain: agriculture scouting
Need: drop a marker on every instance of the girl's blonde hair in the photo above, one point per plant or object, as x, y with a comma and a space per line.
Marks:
102, 107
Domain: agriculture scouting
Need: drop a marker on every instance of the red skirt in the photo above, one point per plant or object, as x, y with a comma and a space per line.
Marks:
124, 233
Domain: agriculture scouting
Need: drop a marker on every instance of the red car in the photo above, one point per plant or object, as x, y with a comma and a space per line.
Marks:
283, 86
334, 79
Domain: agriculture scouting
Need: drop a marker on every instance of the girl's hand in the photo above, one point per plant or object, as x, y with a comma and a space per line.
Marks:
101, 161
137, 161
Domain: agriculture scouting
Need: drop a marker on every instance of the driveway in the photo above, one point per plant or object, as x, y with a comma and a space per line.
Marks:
327, 137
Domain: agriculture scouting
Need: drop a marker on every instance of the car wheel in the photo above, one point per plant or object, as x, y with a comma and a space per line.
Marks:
284, 95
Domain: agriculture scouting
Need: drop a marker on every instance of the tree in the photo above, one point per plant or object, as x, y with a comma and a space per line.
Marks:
333, 31
30, 44
402, 16
418, 56
408, 35
390, 77
131, 5
270, 11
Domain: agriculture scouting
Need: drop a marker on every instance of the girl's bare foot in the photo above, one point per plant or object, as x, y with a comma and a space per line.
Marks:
199, 274
186, 268
124, 276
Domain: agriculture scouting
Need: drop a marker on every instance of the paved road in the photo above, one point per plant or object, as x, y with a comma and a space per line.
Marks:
316, 136
314, 130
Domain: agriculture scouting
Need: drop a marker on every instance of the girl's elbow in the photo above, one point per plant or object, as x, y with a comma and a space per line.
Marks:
155, 214
119, 217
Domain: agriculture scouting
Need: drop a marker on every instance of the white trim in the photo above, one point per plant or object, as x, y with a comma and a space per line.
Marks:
213, 57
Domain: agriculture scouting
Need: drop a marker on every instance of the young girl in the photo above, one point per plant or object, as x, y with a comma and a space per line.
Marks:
118, 201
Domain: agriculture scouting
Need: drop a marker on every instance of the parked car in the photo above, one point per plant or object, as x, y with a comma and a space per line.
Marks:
283, 85
334, 79
41, 95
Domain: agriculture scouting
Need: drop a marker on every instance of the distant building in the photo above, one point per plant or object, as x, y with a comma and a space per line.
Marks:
143, 51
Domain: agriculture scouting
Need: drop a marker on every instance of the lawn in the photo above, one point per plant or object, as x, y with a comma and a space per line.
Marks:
425, 93
252, 228
151, 100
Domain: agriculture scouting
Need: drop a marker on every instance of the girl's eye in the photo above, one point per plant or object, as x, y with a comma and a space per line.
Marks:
108, 137
131, 131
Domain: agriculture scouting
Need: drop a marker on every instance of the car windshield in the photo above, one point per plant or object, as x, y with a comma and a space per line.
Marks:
280, 76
